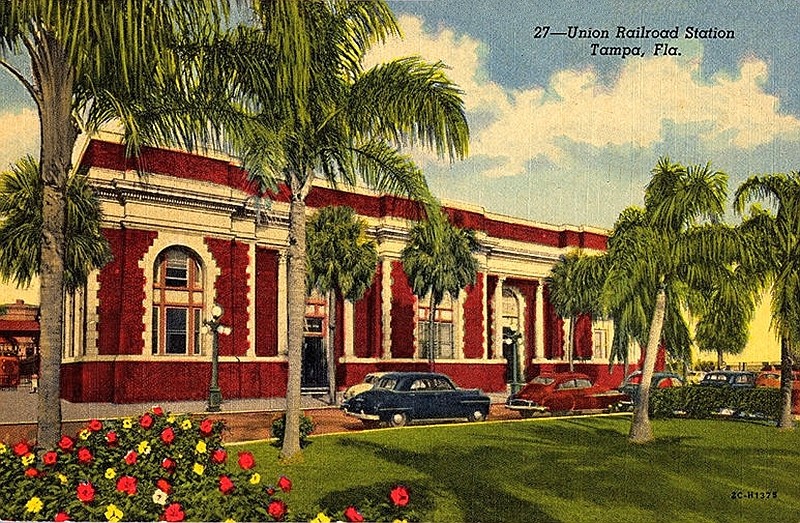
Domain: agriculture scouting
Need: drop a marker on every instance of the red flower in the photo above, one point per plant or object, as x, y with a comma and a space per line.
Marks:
219, 456
127, 484
66, 444
130, 457
61, 516
270, 491
285, 484
85, 455
111, 439
164, 486
206, 427
31, 472
22, 448
169, 465
174, 512
50, 457
86, 492
95, 425
158, 411
246, 460
146, 421
277, 509
352, 514
168, 435
399, 496
226, 486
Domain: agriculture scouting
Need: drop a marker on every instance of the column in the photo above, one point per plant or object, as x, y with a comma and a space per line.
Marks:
386, 308
349, 328
497, 325
251, 298
538, 349
283, 309
485, 300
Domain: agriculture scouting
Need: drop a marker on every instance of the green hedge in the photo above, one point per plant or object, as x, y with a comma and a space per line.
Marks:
705, 402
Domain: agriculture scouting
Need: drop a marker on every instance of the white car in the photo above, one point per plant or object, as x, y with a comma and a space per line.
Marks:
358, 388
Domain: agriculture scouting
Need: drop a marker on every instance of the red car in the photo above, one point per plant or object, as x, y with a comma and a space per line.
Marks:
563, 392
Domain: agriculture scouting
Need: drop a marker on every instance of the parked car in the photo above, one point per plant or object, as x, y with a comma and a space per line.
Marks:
358, 388
660, 380
772, 379
397, 398
738, 379
562, 392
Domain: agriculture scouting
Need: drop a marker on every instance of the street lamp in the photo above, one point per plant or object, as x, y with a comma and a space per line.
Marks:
214, 327
510, 340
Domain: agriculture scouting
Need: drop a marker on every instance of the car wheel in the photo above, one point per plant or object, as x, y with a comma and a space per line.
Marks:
477, 415
526, 413
398, 419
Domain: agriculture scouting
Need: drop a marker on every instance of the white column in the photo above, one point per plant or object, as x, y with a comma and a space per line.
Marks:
538, 350
497, 324
283, 297
386, 308
458, 325
349, 329
485, 316
252, 305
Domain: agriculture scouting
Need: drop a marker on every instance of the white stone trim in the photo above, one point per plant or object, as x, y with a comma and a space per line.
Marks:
538, 348
251, 301
349, 329
386, 308
283, 306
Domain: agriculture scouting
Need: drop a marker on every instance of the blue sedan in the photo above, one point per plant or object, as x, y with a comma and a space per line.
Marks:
398, 398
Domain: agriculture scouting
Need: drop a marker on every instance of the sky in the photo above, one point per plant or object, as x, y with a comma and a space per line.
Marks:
565, 130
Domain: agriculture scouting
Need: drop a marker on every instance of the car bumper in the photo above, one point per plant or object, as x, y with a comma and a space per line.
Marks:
526, 405
362, 415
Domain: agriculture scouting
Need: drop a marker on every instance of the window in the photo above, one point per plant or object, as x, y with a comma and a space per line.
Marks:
600, 343
177, 302
442, 331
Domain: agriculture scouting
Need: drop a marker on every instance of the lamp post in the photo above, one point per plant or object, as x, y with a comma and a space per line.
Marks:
216, 328
510, 339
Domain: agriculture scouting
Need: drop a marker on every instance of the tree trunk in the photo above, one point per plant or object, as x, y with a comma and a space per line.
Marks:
641, 431
571, 344
720, 360
786, 421
331, 352
296, 324
58, 135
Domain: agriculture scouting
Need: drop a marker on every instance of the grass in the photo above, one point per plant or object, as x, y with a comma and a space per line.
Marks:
572, 470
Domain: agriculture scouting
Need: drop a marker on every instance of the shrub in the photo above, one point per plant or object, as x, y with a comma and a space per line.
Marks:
704, 402
279, 429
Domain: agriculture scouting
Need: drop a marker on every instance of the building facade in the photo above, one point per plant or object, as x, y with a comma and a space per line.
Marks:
187, 232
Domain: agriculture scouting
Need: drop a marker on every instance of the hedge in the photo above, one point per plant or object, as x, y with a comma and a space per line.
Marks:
705, 402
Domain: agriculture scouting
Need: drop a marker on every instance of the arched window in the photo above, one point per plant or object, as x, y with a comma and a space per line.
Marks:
443, 343
510, 310
177, 302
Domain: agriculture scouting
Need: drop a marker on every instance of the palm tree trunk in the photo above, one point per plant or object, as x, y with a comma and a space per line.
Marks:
296, 312
641, 430
720, 360
786, 421
571, 344
331, 356
58, 135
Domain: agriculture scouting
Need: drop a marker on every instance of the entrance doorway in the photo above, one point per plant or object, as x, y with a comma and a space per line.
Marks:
513, 361
314, 377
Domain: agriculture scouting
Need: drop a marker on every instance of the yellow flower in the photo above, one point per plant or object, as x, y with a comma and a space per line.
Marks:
113, 513
321, 518
144, 447
3, 449
34, 505
127, 423
28, 458
84, 434
400, 521
186, 424
111, 473
201, 447
255, 479
198, 469
62, 478
171, 418
229, 520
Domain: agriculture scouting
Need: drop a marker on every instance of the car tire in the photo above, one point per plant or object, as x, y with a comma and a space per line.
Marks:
478, 415
398, 419
526, 413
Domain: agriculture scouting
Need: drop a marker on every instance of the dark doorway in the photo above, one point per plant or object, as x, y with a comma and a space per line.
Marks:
511, 354
315, 367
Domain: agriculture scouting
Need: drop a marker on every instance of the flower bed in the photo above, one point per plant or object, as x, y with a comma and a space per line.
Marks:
157, 467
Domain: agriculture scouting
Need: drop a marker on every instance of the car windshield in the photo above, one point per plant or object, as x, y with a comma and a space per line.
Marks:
715, 377
386, 383
542, 380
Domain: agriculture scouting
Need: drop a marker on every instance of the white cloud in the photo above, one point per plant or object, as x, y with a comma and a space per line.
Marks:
519, 126
19, 135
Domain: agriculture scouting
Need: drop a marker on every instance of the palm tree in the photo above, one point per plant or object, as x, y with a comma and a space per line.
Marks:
576, 283
341, 261
325, 117
656, 255
438, 259
21, 227
89, 59
775, 244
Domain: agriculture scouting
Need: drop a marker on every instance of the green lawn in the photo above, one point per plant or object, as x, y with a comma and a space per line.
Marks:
571, 470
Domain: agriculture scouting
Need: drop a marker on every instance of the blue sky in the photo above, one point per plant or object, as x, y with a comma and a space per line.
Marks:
560, 135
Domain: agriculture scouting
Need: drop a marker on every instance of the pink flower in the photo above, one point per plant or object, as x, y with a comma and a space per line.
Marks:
22, 448
85, 455
95, 425
399, 496
127, 484
66, 444
164, 486
174, 512
111, 439
50, 458
168, 435
146, 421
226, 486
206, 427
277, 509
285, 484
352, 514
85, 492
61, 516
219, 456
130, 457
246, 460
